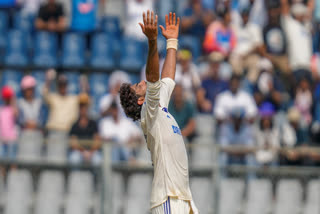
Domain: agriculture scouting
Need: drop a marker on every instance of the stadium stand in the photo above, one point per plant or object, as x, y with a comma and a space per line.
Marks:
73, 50
45, 50
17, 49
132, 53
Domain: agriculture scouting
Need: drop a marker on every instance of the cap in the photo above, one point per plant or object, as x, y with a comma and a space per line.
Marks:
266, 110
28, 82
184, 54
7, 92
215, 57
299, 9
84, 99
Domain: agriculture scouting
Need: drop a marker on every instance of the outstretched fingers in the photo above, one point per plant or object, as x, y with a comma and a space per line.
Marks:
148, 17
144, 18
174, 19
170, 18
156, 21
178, 22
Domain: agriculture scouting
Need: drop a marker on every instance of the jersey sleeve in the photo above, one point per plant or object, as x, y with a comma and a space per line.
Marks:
152, 102
167, 86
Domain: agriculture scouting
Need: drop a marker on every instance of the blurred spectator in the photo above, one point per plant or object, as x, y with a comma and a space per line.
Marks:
30, 107
299, 38
195, 19
268, 87
315, 66
244, 55
267, 136
275, 42
134, 10
84, 15
184, 112
212, 85
85, 129
235, 98
220, 36
8, 125
30, 7
187, 74
63, 108
51, 17
236, 138
115, 81
112, 128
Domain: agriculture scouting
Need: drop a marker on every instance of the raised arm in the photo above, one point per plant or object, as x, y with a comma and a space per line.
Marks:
150, 29
171, 33
285, 7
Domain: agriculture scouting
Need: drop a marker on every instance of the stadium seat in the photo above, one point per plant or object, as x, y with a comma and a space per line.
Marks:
117, 192
73, 50
231, 196
30, 145
47, 206
73, 82
4, 21
23, 22
135, 78
16, 49
131, 55
202, 154
45, 50
57, 147
312, 205
40, 76
51, 182
2, 190
162, 46
205, 125
202, 193
11, 78
193, 43
259, 196
111, 25
17, 206
98, 88
102, 54
289, 197
76, 207
80, 185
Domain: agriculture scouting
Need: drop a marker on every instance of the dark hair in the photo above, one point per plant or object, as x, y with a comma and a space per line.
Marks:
129, 102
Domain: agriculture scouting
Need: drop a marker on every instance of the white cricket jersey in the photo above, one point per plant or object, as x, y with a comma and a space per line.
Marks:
165, 142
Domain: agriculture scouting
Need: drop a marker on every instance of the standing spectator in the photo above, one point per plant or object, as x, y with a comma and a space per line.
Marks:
235, 98
244, 55
299, 39
184, 112
195, 19
187, 74
8, 125
30, 7
115, 81
220, 36
134, 10
85, 129
63, 108
51, 17
122, 132
30, 107
212, 85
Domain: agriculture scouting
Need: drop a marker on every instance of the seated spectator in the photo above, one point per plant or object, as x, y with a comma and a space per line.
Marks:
51, 17
30, 7
267, 137
244, 55
111, 129
187, 74
134, 9
235, 98
274, 46
195, 19
8, 125
85, 129
268, 87
212, 85
299, 39
30, 107
63, 108
184, 112
220, 36
115, 81
236, 138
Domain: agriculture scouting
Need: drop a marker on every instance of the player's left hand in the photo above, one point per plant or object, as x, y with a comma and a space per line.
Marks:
150, 25
172, 27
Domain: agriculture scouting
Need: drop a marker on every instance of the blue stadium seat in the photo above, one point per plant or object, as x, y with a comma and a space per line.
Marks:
40, 76
111, 25
73, 82
23, 22
45, 51
73, 50
162, 46
17, 49
4, 21
98, 83
12, 78
135, 78
132, 55
192, 43
102, 55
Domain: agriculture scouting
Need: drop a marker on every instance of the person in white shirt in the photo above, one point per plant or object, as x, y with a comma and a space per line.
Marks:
148, 102
299, 38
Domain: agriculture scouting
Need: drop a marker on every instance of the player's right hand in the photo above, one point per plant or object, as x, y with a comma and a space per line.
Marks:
150, 25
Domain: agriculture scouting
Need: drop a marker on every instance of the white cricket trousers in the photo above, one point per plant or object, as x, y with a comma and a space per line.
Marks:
173, 206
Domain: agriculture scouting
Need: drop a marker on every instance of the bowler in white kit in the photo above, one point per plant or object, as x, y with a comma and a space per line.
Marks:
147, 102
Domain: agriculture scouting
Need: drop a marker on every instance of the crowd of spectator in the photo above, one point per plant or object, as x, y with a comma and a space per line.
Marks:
258, 77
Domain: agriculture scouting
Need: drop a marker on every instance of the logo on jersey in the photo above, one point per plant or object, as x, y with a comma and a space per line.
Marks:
165, 109
176, 130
